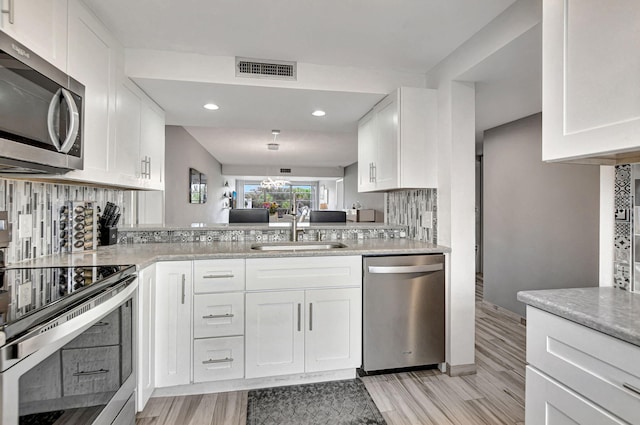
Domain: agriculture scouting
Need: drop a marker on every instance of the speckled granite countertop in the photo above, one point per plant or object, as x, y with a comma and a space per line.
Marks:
256, 226
143, 255
609, 310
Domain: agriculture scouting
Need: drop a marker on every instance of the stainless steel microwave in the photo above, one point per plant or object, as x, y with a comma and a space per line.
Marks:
41, 114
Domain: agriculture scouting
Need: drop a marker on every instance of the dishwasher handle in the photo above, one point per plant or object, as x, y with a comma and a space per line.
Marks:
425, 268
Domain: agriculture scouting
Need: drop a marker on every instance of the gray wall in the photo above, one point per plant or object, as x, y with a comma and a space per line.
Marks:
373, 201
182, 152
540, 220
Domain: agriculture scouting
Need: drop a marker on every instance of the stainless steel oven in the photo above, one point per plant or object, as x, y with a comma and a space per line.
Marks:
41, 113
68, 350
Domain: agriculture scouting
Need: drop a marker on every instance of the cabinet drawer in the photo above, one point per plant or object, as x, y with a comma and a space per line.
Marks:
599, 367
217, 359
218, 275
551, 403
104, 332
90, 370
218, 315
303, 272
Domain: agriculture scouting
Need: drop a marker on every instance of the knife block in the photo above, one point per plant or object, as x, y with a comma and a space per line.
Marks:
108, 236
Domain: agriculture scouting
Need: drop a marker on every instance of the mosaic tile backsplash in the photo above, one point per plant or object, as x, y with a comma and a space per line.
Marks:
38, 199
416, 209
623, 226
271, 235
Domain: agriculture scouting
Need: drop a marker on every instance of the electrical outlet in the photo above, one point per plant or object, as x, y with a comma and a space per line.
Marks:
427, 219
26, 226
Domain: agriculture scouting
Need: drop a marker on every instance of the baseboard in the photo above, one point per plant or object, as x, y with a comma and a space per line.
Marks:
508, 313
461, 369
251, 384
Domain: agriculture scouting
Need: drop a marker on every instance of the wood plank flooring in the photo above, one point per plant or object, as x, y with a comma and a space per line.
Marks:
495, 395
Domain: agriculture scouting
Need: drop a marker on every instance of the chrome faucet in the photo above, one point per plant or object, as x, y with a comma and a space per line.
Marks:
295, 232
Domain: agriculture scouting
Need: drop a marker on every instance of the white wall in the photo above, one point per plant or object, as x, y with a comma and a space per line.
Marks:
540, 220
182, 152
456, 175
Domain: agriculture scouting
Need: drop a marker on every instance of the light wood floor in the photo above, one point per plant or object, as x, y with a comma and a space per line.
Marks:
495, 395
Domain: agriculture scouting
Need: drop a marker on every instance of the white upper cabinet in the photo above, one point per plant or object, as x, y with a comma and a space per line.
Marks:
41, 25
397, 146
93, 56
591, 89
151, 156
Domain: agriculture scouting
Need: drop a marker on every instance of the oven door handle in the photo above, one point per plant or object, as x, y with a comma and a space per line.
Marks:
41, 336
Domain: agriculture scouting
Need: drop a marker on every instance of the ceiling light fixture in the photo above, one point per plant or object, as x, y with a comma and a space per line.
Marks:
273, 146
211, 106
275, 132
318, 113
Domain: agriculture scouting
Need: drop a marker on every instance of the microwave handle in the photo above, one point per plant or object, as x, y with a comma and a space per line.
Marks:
74, 121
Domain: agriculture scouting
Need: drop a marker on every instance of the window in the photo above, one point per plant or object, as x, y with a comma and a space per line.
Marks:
256, 196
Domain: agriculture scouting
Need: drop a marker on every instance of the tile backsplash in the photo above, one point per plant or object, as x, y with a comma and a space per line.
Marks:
416, 209
39, 200
623, 204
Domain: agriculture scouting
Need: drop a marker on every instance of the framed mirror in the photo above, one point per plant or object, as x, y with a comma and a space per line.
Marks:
197, 187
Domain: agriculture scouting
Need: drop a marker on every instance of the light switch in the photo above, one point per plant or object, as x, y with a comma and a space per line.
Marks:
26, 226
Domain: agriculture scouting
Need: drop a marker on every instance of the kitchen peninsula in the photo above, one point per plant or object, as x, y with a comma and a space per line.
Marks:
217, 314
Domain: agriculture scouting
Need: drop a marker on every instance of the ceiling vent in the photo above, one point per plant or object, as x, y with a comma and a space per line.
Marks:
285, 171
261, 68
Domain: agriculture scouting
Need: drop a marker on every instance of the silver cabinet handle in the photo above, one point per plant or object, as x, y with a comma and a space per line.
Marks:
405, 269
218, 276
183, 287
310, 316
149, 171
93, 372
10, 10
102, 324
375, 173
212, 361
218, 316
143, 168
631, 388
299, 316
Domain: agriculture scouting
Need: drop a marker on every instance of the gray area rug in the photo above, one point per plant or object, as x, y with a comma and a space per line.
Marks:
335, 403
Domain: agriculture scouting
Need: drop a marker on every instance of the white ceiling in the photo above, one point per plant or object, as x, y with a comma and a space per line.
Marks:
409, 35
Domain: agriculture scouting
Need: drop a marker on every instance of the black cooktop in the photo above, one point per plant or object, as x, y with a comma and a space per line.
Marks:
30, 296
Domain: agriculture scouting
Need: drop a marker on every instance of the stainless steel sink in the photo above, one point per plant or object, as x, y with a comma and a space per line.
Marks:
297, 246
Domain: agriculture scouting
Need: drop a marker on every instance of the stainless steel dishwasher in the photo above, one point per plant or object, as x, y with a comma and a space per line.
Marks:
403, 312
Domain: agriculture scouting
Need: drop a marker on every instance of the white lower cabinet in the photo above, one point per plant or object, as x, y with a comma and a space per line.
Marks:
173, 323
569, 364
198, 322
551, 403
304, 330
146, 335
274, 333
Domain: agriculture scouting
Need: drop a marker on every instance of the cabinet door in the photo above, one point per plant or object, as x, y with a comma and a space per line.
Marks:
173, 323
92, 61
152, 144
590, 85
274, 333
550, 403
41, 25
366, 152
146, 335
388, 139
127, 141
333, 329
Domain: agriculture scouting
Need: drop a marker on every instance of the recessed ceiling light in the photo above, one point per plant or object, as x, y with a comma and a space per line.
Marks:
318, 113
211, 106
